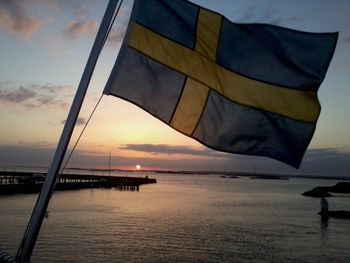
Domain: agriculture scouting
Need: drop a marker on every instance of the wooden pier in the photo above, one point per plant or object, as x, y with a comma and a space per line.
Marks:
28, 182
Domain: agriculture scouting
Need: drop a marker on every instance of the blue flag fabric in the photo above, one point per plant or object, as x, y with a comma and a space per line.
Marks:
238, 88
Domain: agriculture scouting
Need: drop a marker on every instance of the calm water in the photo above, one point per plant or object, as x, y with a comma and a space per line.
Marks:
184, 218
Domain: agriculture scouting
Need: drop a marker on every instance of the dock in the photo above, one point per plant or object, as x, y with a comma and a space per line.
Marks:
29, 182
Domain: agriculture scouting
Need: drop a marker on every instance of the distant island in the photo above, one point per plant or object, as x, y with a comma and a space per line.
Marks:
253, 175
271, 177
229, 176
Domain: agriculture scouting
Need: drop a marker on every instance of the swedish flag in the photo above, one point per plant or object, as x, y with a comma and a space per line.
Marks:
239, 88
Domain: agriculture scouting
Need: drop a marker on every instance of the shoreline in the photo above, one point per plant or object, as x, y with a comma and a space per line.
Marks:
256, 175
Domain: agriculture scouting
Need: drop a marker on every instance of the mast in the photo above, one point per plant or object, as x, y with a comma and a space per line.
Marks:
109, 164
31, 234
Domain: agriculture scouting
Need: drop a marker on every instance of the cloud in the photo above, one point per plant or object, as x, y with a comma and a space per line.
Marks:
79, 7
80, 121
170, 150
36, 96
77, 28
17, 96
258, 14
319, 154
116, 36
25, 155
54, 89
346, 39
117, 33
29, 155
326, 162
15, 19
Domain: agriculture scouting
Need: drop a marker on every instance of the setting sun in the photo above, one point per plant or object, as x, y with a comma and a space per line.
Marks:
138, 167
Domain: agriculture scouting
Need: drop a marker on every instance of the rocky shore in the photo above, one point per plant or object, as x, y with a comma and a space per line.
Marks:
325, 191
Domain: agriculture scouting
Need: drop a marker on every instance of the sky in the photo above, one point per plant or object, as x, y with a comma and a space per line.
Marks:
44, 46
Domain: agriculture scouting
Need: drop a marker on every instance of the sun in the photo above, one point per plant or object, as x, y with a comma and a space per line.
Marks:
138, 167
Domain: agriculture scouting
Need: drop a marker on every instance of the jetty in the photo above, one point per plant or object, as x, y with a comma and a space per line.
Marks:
29, 182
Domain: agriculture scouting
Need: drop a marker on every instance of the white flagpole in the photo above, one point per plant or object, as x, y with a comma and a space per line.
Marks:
30, 236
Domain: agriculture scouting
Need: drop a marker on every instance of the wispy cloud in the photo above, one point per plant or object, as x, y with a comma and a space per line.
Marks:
116, 36
54, 89
80, 121
41, 155
326, 153
35, 96
25, 155
79, 7
345, 39
14, 19
117, 33
171, 149
258, 14
16, 96
327, 162
76, 29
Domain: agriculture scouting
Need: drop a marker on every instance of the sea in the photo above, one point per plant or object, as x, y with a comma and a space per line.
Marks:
184, 218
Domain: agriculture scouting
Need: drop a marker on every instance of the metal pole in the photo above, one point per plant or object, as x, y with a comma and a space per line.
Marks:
109, 164
30, 236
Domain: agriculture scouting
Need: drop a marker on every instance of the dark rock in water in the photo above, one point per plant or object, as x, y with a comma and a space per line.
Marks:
342, 187
336, 214
317, 192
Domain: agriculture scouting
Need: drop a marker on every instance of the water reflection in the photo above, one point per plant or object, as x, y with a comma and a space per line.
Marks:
182, 219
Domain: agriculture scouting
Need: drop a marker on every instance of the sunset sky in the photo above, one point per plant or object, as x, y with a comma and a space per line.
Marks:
44, 45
